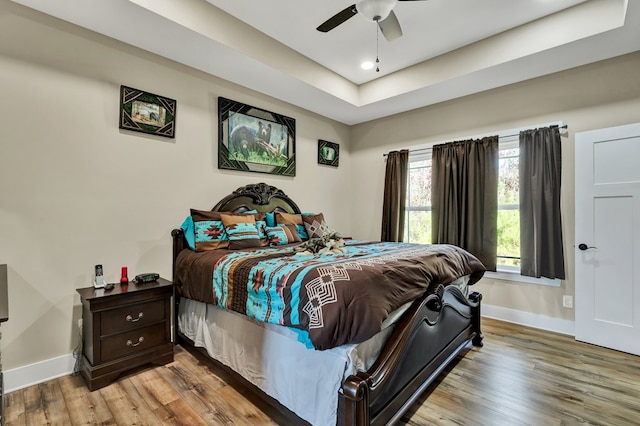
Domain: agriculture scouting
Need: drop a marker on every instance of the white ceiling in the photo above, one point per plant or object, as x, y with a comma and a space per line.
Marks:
450, 48
430, 28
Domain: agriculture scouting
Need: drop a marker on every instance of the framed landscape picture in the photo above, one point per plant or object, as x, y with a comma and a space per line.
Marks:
255, 140
328, 153
147, 113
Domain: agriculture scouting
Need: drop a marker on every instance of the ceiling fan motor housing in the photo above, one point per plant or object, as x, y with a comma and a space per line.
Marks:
375, 10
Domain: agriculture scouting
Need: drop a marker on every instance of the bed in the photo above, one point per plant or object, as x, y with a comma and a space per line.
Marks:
363, 357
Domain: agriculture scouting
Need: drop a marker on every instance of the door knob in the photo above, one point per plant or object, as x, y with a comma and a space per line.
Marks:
583, 247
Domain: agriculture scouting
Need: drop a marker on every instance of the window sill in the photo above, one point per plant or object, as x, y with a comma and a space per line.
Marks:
514, 275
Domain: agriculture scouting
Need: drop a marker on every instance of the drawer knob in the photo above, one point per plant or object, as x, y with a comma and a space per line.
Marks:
131, 319
140, 340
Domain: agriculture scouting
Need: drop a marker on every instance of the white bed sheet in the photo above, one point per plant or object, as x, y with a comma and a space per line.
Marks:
306, 381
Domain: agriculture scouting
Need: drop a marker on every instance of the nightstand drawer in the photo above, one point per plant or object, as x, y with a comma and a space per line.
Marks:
123, 319
124, 344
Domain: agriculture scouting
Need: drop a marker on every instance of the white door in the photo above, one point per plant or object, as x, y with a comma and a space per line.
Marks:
607, 245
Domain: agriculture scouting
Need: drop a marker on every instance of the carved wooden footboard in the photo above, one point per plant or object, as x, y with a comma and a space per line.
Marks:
435, 330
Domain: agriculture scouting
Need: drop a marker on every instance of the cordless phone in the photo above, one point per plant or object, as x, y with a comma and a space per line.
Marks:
99, 277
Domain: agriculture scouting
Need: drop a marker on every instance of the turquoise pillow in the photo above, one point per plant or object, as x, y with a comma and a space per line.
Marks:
271, 219
189, 232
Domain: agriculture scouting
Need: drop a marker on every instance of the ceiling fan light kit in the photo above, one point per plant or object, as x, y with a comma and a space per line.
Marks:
375, 10
378, 11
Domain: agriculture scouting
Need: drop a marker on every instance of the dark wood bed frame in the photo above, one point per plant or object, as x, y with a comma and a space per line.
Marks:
428, 337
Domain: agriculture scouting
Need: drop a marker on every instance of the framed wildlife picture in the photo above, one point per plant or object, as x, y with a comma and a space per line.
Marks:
255, 140
328, 153
147, 113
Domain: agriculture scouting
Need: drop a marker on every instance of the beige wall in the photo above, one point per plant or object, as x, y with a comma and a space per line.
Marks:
595, 96
76, 191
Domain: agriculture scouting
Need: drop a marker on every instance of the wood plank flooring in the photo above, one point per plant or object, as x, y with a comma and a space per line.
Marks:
522, 376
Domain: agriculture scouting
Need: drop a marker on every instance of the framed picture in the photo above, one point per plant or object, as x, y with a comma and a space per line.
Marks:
147, 113
328, 153
254, 140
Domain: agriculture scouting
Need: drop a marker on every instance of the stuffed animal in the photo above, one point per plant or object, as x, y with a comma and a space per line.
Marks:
332, 243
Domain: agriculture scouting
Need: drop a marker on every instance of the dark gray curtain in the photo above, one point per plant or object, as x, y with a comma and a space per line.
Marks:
395, 195
541, 250
464, 197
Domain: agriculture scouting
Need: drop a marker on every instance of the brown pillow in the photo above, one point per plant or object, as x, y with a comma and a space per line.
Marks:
292, 219
315, 225
284, 218
242, 231
282, 234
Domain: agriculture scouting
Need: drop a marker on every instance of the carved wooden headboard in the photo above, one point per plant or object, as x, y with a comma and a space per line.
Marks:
257, 196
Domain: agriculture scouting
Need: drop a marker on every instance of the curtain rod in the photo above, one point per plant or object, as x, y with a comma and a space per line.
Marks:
564, 126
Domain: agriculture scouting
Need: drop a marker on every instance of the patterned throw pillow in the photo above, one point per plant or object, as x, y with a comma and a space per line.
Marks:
293, 219
315, 225
209, 232
261, 224
241, 230
283, 234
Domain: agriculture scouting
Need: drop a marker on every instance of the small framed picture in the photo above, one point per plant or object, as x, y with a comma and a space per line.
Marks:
328, 153
147, 113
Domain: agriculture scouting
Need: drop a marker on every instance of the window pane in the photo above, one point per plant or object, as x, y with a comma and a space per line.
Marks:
508, 213
508, 183
419, 229
509, 237
419, 187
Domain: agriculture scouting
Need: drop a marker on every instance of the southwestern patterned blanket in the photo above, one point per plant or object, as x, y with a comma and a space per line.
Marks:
336, 298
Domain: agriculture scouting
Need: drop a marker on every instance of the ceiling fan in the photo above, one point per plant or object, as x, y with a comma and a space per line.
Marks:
379, 11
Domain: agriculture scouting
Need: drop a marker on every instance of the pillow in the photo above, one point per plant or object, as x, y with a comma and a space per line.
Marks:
271, 219
283, 234
292, 219
242, 231
315, 225
208, 231
189, 232
261, 224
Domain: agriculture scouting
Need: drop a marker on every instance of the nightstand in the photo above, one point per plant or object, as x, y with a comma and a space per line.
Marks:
124, 328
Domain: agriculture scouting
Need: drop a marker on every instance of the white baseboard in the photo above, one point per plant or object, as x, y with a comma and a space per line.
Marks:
32, 374
542, 322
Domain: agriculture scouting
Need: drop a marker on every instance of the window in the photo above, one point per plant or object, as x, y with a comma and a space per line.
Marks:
417, 227
508, 206
418, 209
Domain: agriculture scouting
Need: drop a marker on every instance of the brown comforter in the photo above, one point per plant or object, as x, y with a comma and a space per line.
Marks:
337, 299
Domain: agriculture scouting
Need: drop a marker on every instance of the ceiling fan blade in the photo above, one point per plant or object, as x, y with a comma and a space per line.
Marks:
338, 19
390, 27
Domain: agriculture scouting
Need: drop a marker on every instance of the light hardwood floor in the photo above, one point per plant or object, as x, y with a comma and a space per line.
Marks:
522, 376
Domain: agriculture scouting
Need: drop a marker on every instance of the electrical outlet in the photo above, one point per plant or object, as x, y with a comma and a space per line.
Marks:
567, 301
